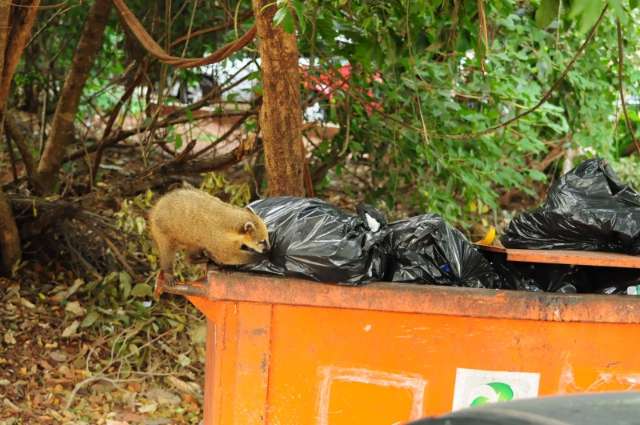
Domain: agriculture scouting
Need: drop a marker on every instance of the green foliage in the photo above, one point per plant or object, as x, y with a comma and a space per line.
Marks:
627, 170
547, 12
218, 185
441, 88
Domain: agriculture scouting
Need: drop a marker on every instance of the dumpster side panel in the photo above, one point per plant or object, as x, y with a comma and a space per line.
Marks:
237, 362
251, 363
339, 366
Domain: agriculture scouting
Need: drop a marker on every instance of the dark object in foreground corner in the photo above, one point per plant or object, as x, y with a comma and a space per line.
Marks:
587, 209
585, 409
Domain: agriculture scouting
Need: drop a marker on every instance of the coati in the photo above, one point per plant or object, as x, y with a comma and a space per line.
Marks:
206, 228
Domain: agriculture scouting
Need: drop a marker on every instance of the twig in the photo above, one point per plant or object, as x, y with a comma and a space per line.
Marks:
112, 119
116, 252
189, 28
620, 85
225, 135
46, 24
484, 37
146, 344
79, 385
425, 132
124, 134
43, 121
347, 135
12, 158
87, 266
228, 84
127, 336
223, 26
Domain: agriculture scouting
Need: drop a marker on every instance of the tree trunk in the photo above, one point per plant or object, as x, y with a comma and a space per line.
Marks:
16, 23
9, 237
281, 113
23, 139
5, 13
62, 126
15, 28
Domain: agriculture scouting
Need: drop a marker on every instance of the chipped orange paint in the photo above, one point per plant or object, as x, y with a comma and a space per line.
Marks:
289, 351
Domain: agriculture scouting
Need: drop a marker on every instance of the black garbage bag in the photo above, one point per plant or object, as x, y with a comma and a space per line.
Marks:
587, 209
561, 278
425, 249
313, 239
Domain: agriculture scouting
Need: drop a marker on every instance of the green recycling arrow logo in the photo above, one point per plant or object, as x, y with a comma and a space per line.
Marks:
493, 392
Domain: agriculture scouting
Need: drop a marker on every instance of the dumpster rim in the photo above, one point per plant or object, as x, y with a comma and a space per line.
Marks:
413, 298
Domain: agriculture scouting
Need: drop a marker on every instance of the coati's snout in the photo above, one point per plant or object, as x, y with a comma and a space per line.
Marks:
256, 237
261, 248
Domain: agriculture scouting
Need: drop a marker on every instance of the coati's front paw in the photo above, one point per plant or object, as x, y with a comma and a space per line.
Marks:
163, 280
170, 280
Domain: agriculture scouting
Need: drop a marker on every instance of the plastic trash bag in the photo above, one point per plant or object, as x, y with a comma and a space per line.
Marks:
586, 209
425, 249
561, 278
313, 239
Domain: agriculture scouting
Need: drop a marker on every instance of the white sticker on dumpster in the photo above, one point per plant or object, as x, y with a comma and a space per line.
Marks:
477, 387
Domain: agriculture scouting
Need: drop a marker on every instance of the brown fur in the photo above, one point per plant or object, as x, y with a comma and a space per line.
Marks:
193, 220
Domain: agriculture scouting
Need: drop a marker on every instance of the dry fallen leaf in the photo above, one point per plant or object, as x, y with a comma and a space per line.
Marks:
75, 308
185, 387
163, 397
9, 338
148, 408
9, 404
71, 329
27, 303
198, 333
57, 355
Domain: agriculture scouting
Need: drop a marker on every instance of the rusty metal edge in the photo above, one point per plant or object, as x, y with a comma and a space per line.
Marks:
186, 289
411, 298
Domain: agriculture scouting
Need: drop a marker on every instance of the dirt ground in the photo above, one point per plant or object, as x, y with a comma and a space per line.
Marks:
53, 374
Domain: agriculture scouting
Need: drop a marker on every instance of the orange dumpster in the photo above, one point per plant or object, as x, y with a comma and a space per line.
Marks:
294, 352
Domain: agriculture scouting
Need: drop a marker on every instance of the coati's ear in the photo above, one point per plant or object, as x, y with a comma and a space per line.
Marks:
249, 227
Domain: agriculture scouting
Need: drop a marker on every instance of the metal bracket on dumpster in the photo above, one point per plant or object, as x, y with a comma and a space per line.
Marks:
198, 288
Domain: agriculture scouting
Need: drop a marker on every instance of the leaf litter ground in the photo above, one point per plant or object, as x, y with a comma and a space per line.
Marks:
53, 369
